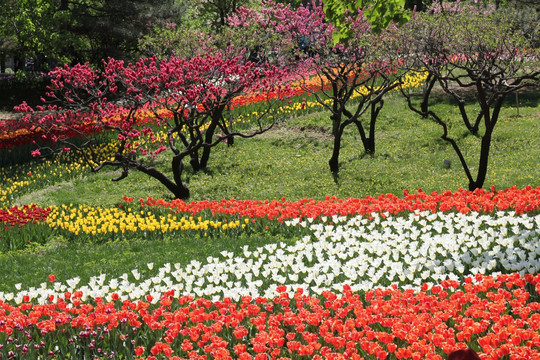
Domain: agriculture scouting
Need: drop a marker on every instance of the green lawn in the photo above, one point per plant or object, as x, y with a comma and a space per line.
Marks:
291, 161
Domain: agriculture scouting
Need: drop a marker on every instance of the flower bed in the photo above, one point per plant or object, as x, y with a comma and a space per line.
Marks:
463, 201
494, 314
357, 251
19, 216
213, 217
388, 278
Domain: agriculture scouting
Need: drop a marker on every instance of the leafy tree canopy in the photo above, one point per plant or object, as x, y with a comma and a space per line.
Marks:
380, 13
72, 31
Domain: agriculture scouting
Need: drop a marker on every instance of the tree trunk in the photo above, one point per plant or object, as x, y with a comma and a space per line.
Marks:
486, 144
476, 124
334, 160
369, 141
208, 138
176, 187
483, 162
337, 132
428, 86
182, 191
194, 161
375, 110
230, 139
369, 145
472, 128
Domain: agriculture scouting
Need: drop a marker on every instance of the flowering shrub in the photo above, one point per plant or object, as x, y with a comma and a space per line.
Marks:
364, 66
15, 133
195, 92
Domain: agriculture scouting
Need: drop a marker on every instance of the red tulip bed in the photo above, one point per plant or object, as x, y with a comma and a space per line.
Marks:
480, 200
496, 313
19, 216
470, 280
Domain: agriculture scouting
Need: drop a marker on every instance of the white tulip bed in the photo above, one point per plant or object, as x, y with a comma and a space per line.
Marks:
364, 252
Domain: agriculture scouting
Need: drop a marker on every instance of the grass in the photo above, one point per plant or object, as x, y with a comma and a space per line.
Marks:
289, 161
70, 259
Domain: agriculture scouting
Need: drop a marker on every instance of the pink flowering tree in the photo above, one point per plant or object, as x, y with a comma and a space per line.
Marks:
274, 33
354, 76
471, 53
349, 78
173, 106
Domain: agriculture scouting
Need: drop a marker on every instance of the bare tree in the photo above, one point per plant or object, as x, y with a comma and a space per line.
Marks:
470, 50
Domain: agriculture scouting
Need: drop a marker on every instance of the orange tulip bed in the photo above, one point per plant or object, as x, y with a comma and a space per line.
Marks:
495, 312
16, 133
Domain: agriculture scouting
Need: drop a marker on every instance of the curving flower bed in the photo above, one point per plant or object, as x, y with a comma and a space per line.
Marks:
377, 278
463, 201
153, 216
494, 314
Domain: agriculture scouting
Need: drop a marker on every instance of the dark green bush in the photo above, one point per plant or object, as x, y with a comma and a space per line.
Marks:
23, 86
